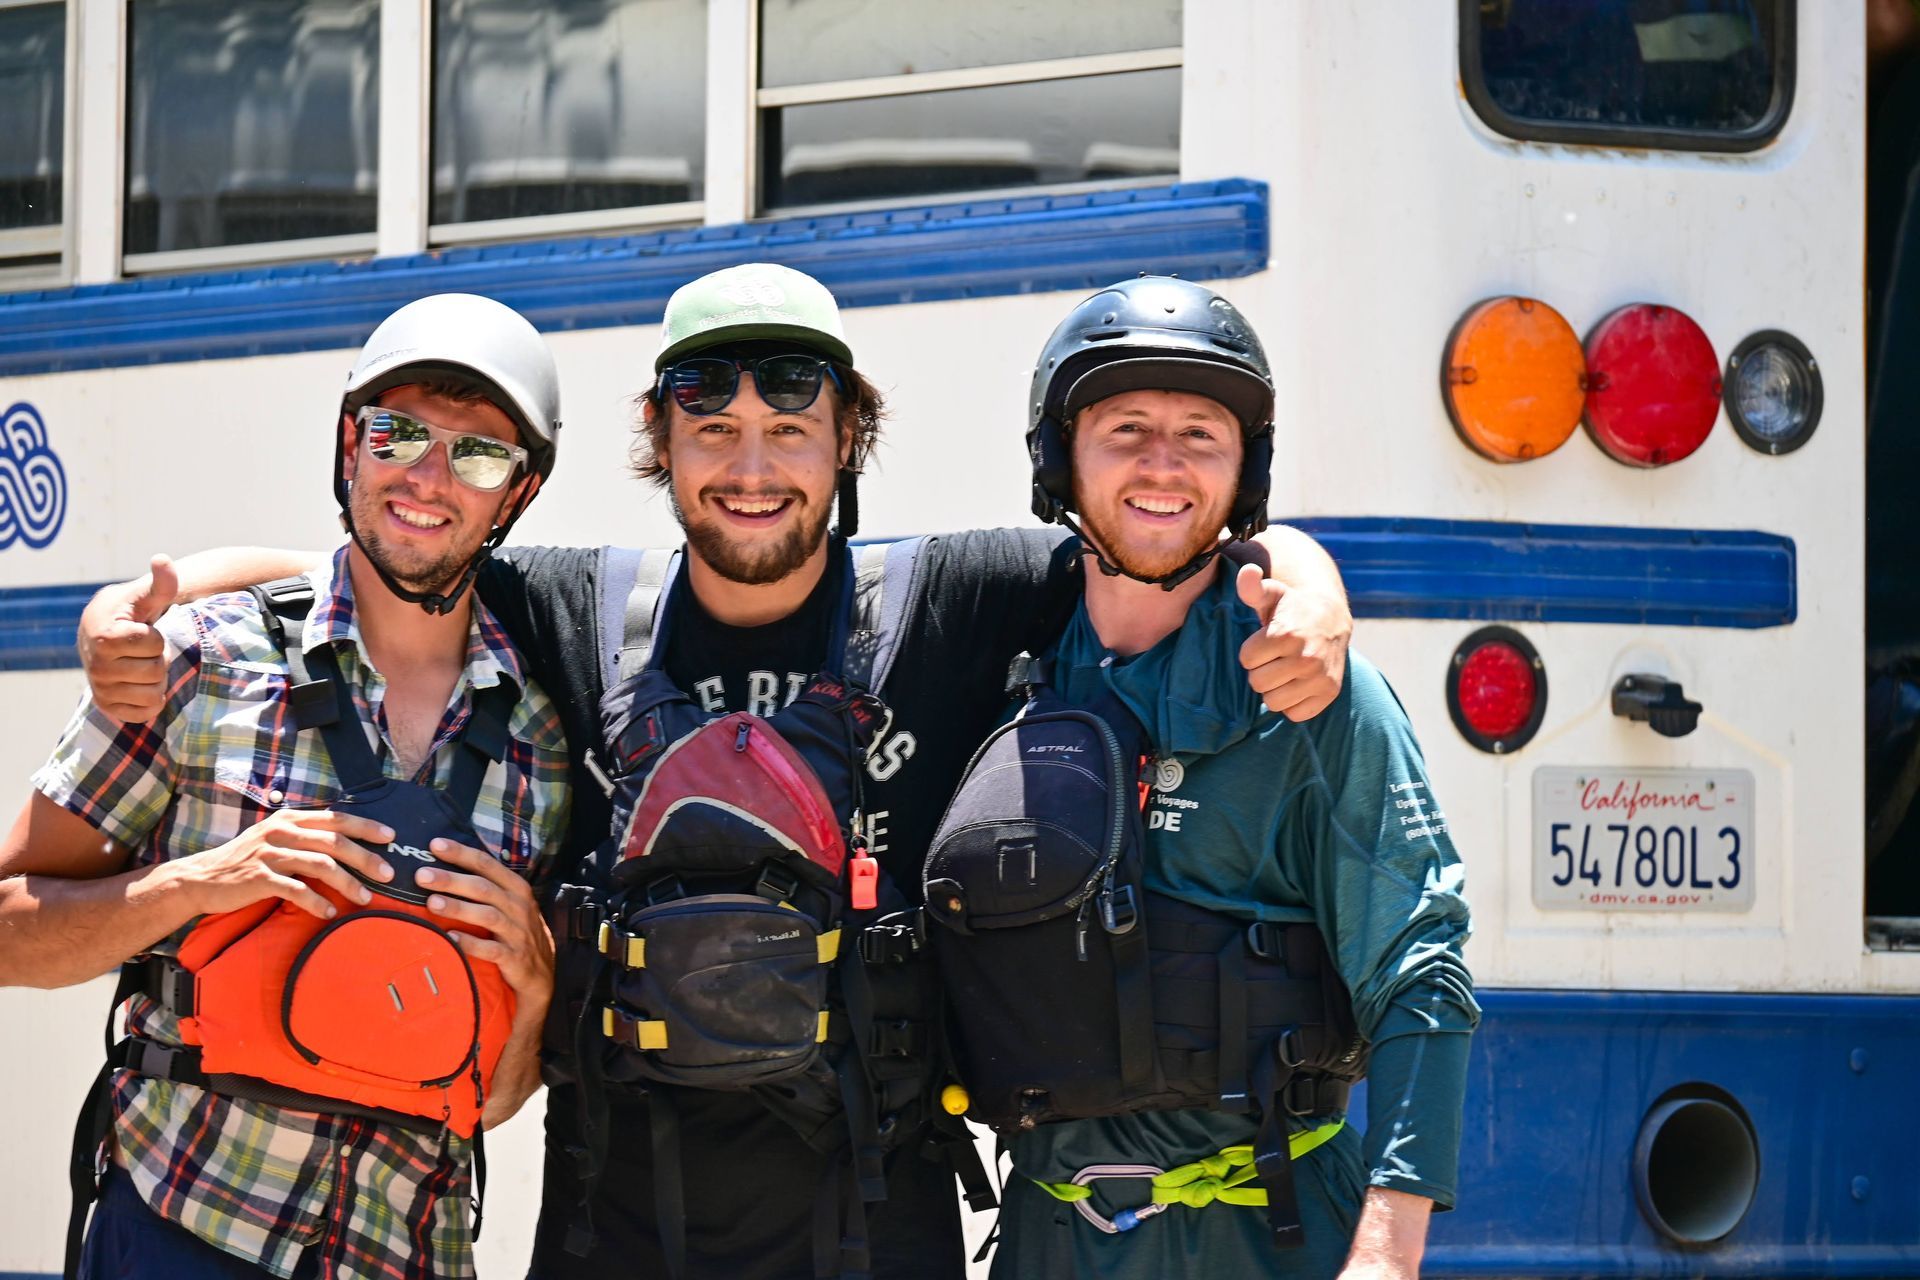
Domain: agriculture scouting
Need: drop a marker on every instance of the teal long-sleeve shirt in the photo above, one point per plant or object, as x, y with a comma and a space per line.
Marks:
1332, 820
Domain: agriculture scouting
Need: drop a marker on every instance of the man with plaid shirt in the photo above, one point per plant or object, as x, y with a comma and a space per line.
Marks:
134, 832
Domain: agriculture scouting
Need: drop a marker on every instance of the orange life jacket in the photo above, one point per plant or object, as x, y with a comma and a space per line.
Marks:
377, 1008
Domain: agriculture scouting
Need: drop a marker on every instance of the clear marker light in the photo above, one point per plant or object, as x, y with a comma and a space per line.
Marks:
1773, 392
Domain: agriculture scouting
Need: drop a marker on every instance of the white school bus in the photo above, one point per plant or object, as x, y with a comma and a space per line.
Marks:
1594, 328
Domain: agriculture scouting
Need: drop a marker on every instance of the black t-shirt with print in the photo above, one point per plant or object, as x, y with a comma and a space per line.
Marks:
977, 600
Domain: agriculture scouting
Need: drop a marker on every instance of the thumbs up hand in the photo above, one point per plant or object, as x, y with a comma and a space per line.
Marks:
121, 651
1297, 660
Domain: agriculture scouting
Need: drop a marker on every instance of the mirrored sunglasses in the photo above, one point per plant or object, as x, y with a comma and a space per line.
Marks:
707, 384
400, 440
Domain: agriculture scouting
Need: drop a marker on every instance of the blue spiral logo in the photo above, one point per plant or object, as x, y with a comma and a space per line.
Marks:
33, 487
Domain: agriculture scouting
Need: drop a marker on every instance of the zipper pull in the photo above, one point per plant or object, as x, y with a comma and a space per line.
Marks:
1080, 930
740, 739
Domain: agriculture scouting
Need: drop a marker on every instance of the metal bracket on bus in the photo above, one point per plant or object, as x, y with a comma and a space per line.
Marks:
1658, 701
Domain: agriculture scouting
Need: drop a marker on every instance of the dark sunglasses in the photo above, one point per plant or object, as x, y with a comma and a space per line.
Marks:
400, 440
707, 384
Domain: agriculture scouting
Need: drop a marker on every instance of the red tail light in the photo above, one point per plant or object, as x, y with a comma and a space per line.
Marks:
1653, 385
1497, 690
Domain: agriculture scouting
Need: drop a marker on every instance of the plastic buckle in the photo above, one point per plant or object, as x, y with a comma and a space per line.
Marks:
891, 941
575, 914
1267, 940
165, 1062
1126, 1219
776, 883
171, 986
1119, 912
665, 889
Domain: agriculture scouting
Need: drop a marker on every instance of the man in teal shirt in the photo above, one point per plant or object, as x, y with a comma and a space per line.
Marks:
1152, 419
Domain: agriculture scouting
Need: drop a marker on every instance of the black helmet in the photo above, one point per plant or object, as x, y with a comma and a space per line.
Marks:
1152, 333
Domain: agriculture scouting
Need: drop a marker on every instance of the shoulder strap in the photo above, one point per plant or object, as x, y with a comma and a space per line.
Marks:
482, 742
882, 586
634, 586
316, 694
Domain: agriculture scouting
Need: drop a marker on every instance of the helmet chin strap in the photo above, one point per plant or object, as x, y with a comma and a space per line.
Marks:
435, 603
1166, 581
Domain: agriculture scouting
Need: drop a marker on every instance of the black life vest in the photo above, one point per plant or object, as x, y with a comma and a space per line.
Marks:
1073, 991
717, 940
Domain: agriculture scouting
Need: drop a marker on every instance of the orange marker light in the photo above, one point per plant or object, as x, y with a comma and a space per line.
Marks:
1515, 379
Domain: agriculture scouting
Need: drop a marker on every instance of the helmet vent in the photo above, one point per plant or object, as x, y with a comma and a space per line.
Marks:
1238, 348
1105, 335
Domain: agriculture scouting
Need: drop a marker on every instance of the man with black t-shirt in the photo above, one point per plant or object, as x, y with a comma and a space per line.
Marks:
756, 421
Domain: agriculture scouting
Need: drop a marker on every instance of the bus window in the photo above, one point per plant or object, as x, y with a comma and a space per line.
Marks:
1693, 75
865, 100
575, 106
33, 84
250, 122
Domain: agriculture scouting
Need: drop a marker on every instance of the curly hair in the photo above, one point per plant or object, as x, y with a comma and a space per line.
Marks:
859, 409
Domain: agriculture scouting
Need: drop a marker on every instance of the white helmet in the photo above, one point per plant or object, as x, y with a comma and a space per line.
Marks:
477, 342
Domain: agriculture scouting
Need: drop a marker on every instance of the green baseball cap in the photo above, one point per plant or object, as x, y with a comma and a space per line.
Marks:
745, 303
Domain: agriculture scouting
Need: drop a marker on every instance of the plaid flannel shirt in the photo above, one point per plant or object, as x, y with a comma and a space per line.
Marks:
257, 1181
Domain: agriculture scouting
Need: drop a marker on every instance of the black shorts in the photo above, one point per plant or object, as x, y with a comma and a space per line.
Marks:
750, 1186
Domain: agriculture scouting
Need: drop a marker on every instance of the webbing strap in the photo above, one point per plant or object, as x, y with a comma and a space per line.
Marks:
1133, 993
669, 1182
629, 950
653, 575
83, 1165
1232, 980
1218, 1178
882, 586
1272, 1161
483, 742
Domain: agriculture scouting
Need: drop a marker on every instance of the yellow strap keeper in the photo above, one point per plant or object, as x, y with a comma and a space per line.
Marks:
608, 944
820, 1036
829, 944
646, 1034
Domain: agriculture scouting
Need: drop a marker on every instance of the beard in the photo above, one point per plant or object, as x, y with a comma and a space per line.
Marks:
1138, 557
755, 564
422, 572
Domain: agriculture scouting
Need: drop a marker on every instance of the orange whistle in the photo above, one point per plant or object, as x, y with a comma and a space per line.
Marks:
866, 883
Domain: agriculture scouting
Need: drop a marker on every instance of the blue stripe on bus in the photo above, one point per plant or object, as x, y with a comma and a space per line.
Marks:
1499, 571
37, 626
1394, 567
1559, 1082
983, 248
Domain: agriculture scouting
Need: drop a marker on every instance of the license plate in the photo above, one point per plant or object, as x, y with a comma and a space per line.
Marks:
1643, 839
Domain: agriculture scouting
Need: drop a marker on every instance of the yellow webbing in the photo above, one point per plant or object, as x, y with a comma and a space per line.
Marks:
1210, 1178
829, 944
820, 1036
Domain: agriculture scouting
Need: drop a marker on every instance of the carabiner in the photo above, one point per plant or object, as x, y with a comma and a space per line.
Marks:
1126, 1219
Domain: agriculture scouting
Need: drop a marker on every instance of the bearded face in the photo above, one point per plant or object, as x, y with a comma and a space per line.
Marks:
753, 485
1154, 474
